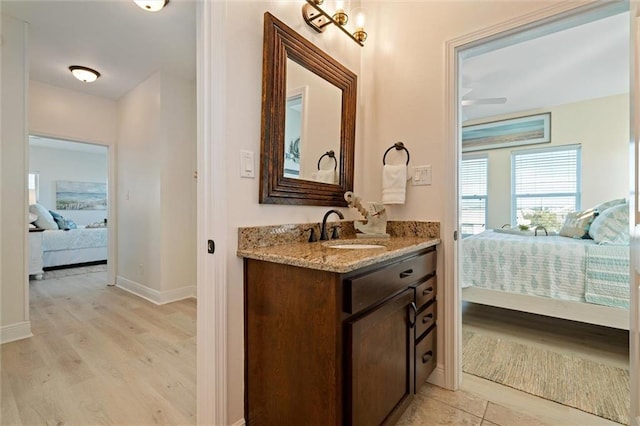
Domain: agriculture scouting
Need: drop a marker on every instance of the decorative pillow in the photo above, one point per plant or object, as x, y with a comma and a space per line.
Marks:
63, 223
608, 204
45, 220
611, 226
576, 224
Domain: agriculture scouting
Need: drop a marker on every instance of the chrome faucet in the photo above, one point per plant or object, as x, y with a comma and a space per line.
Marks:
323, 229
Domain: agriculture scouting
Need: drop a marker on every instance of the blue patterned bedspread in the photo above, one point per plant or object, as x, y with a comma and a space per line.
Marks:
549, 266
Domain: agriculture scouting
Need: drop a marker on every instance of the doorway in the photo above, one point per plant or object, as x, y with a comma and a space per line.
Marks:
475, 46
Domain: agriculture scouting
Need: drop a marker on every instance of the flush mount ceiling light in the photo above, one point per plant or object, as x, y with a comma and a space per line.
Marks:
84, 74
151, 5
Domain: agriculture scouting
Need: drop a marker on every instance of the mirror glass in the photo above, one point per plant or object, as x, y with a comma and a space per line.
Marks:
312, 126
308, 121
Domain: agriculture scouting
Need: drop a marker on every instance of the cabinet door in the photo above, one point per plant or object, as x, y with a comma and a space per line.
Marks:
381, 362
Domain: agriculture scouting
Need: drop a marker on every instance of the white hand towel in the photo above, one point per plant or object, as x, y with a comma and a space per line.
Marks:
394, 183
326, 176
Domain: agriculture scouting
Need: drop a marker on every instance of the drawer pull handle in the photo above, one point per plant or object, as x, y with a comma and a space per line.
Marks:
427, 291
406, 273
414, 310
427, 318
427, 357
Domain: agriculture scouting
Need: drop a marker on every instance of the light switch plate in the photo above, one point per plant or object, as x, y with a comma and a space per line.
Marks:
247, 169
421, 175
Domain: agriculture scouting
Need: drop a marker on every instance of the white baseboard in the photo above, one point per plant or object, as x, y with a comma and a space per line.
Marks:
153, 295
437, 377
17, 331
240, 422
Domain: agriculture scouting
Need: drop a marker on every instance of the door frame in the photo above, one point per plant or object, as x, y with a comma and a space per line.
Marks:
211, 33
453, 312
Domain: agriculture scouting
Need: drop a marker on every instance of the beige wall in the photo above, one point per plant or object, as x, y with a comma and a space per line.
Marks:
156, 189
178, 185
600, 126
244, 87
401, 81
71, 115
13, 181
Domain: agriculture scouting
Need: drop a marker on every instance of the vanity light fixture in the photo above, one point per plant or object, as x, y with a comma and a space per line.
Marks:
151, 5
360, 34
85, 74
318, 19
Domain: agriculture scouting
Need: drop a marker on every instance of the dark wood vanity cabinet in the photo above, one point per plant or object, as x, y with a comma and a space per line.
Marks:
324, 348
425, 291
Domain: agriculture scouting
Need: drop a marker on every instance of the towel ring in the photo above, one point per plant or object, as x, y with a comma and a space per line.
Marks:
330, 154
398, 146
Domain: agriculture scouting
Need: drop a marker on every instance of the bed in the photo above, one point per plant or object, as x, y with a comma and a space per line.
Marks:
74, 246
570, 278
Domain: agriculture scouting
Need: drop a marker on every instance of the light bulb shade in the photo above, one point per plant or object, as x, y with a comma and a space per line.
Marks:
85, 74
151, 5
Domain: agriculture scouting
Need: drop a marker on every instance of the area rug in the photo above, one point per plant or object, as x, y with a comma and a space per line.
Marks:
67, 272
587, 385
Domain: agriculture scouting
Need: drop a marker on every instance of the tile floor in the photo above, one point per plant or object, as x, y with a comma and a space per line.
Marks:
484, 403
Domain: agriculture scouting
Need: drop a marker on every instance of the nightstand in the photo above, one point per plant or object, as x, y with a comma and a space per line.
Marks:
35, 253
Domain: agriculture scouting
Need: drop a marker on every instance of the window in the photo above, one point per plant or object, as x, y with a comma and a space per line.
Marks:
546, 185
473, 189
33, 188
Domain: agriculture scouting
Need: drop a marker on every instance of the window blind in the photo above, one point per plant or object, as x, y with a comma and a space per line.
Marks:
546, 185
473, 191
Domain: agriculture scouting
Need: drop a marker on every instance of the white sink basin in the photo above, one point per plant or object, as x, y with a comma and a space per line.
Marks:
356, 246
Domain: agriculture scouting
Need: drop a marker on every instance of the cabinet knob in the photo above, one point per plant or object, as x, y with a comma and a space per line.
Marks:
427, 291
427, 357
427, 318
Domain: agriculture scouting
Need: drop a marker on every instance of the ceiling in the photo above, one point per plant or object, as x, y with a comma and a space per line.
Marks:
115, 37
127, 44
584, 62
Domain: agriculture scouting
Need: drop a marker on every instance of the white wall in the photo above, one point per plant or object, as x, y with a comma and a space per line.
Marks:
156, 188
13, 181
62, 164
600, 126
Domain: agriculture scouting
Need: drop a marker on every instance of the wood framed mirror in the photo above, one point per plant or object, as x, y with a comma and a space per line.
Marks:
308, 121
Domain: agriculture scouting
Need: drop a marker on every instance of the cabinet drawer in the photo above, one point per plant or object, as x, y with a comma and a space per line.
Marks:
364, 290
426, 292
425, 319
425, 358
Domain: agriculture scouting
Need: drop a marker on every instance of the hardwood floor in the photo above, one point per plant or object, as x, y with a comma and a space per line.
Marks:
100, 356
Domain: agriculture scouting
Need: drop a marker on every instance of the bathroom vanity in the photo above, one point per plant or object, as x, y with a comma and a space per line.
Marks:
338, 336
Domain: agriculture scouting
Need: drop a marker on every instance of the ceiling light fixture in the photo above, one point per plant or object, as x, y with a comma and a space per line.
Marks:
318, 19
151, 5
85, 74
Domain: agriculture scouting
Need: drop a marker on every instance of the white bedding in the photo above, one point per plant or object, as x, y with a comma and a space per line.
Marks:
74, 246
74, 239
548, 266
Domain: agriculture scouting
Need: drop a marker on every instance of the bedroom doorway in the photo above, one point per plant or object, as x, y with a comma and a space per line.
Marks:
69, 204
525, 172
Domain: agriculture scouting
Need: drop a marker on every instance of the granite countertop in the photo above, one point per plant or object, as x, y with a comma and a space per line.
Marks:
320, 255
